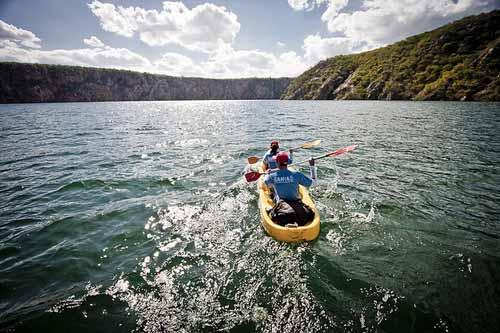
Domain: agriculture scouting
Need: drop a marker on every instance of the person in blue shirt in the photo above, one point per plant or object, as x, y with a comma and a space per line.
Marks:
286, 182
289, 208
269, 161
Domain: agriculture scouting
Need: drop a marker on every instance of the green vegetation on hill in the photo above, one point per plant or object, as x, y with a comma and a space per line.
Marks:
29, 83
459, 61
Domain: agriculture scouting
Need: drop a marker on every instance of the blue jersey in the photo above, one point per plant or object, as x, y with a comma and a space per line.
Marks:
270, 162
286, 183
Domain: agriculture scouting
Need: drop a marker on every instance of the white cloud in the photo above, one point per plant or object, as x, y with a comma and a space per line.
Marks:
333, 8
199, 28
227, 62
379, 22
280, 44
93, 41
230, 63
10, 33
114, 19
317, 48
178, 65
299, 4
7, 43
289, 64
309, 5
96, 57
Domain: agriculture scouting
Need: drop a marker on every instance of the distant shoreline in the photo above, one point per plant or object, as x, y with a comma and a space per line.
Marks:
38, 83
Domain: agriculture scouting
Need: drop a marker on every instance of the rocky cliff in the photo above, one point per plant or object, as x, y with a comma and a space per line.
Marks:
25, 83
459, 61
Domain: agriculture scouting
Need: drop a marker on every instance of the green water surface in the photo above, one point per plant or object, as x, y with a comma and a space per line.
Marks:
118, 217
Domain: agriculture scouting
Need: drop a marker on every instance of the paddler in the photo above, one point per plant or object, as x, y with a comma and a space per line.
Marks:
269, 161
286, 183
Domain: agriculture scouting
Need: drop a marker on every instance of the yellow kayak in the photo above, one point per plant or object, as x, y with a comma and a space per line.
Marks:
289, 234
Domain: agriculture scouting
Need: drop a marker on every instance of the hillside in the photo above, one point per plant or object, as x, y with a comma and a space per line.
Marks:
459, 61
25, 83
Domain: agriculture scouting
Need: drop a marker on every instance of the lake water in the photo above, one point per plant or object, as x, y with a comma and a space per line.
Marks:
136, 217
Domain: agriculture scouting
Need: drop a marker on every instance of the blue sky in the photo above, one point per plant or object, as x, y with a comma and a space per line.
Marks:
214, 38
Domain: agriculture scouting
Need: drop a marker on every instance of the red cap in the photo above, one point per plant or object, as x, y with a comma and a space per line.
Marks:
282, 157
274, 142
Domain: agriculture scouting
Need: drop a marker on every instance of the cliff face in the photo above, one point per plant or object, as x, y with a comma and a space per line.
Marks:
459, 61
28, 83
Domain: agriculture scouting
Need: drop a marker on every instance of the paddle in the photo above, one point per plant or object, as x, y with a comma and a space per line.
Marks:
252, 176
308, 145
331, 154
255, 159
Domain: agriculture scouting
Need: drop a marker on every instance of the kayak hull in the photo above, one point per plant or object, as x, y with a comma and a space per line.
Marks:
289, 234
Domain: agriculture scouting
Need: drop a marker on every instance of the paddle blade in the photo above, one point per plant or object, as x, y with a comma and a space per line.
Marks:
253, 159
252, 176
311, 144
343, 150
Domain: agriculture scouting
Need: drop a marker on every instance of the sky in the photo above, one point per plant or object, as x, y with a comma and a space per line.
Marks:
214, 38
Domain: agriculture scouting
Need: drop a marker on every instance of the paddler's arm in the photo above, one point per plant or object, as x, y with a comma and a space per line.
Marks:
308, 181
290, 156
313, 170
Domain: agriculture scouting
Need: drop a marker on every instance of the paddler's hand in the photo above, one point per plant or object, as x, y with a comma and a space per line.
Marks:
311, 161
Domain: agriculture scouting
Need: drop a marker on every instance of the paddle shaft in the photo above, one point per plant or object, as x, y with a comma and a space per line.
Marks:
332, 153
314, 158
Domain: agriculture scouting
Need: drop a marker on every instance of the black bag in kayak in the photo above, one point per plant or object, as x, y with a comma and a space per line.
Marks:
289, 212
